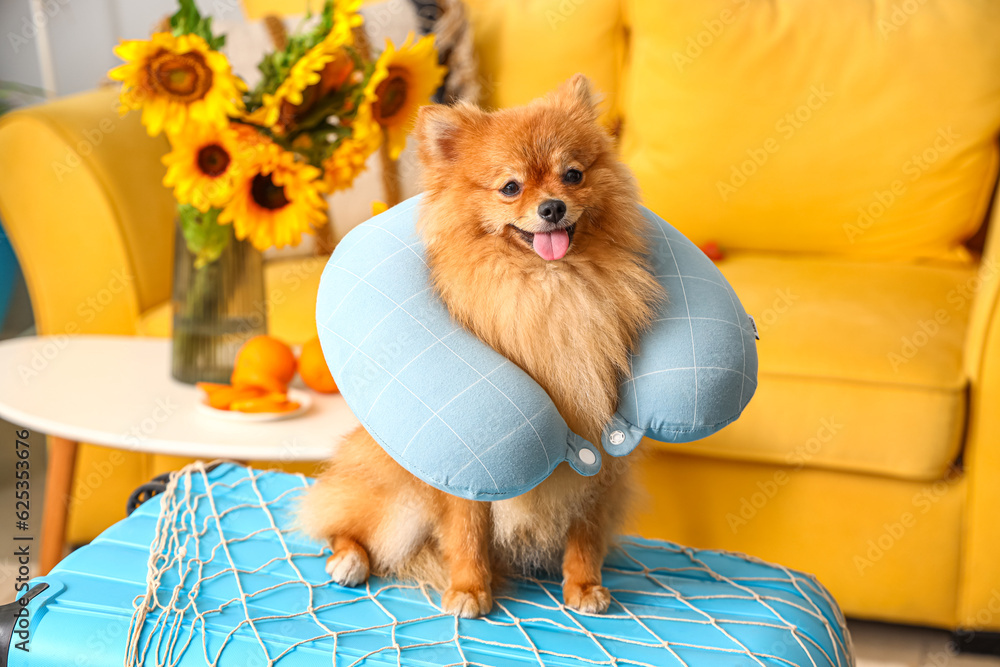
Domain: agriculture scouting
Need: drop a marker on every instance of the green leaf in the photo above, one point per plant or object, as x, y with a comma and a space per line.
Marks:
188, 20
275, 66
206, 238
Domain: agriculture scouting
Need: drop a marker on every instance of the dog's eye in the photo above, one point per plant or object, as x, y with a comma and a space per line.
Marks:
511, 188
572, 176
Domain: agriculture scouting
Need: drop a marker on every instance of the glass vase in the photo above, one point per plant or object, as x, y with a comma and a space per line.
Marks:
216, 308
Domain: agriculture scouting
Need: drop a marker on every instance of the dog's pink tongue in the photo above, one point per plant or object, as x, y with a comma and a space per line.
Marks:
551, 245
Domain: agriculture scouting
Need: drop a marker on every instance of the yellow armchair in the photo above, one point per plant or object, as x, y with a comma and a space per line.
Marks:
81, 199
93, 229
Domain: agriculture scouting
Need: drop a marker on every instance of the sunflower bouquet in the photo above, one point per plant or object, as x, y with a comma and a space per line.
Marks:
256, 164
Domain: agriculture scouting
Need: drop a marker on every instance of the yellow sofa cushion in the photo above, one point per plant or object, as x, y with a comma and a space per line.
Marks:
860, 362
860, 365
857, 128
529, 47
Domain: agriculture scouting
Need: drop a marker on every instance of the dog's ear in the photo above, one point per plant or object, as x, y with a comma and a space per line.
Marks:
439, 128
577, 93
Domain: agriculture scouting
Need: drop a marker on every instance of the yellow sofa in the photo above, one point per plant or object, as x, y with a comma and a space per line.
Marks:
841, 153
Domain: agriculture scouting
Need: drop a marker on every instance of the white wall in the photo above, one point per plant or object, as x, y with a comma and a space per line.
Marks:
82, 34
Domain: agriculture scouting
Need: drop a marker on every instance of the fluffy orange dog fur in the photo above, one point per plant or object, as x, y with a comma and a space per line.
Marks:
569, 316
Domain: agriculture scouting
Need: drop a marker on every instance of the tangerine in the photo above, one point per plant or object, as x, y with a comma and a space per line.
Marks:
313, 369
264, 362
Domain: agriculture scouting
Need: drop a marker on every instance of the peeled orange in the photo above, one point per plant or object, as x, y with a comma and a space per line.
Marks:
267, 403
264, 362
223, 396
313, 369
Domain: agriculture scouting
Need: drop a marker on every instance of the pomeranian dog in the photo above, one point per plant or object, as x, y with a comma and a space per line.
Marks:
536, 244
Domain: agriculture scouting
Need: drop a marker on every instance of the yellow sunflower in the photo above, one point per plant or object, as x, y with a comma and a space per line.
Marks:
346, 17
200, 165
349, 159
275, 199
364, 120
411, 75
177, 79
248, 143
323, 68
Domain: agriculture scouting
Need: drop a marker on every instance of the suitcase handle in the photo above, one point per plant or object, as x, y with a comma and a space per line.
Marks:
9, 615
144, 492
153, 487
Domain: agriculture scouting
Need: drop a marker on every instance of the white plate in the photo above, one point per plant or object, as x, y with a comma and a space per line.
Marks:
302, 398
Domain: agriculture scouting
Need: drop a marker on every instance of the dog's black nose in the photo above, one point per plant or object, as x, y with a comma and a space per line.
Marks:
552, 210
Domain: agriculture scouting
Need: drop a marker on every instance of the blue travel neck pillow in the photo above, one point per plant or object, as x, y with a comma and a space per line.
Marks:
466, 420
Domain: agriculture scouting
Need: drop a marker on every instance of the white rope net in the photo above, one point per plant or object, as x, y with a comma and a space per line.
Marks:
230, 582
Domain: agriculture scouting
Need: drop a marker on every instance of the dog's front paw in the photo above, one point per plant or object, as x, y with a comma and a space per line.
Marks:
347, 567
467, 603
588, 598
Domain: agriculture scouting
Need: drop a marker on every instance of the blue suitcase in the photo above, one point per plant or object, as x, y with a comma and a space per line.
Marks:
210, 572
